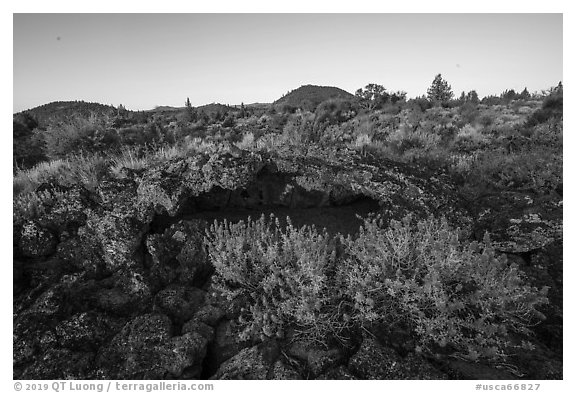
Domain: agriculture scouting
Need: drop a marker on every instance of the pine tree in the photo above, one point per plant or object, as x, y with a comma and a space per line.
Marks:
192, 115
525, 94
440, 91
559, 88
508, 95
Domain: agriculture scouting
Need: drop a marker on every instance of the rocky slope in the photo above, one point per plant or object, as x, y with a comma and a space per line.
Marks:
115, 283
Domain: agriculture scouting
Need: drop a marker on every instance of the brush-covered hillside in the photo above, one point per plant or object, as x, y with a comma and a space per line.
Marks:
309, 96
59, 111
375, 237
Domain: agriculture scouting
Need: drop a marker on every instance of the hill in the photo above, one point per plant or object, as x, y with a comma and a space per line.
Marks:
61, 110
215, 107
312, 95
259, 105
165, 108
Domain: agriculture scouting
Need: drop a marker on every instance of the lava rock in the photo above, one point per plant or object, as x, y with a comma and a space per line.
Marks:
201, 328
179, 302
340, 372
37, 241
461, 369
145, 349
226, 343
86, 331
209, 314
126, 293
258, 362
82, 254
374, 361
318, 359
61, 364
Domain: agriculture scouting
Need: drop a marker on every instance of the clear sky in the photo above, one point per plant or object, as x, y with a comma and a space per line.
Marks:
144, 60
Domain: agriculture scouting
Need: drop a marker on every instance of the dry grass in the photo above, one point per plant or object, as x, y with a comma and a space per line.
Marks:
82, 169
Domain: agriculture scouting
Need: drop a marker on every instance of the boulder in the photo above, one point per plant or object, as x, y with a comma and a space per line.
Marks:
125, 293
258, 362
179, 302
195, 326
519, 222
82, 254
145, 349
340, 372
461, 369
61, 364
119, 234
178, 253
318, 359
246, 364
210, 315
37, 241
374, 361
226, 343
86, 331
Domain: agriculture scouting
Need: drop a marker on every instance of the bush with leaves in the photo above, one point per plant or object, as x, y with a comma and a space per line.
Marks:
27, 141
334, 111
452, 296
538, 169
281, 273
80, 135
469, 139
552, 107
468, 114
421, 104
79, 169
300, 129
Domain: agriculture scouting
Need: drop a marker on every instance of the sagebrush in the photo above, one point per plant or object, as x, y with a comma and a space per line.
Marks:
450, 295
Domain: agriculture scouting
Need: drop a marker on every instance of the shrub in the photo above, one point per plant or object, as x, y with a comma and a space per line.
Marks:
405, 139
79, 135
300, 129
32, 205
470, 138
538, 169
336, 134
335, 111
461, 164
486, 120
420, 103
27, 141
270, 142
247, 141
552, 107
141, 134
280, 273
229, 121
128, 157
548, 134
452, 296
361, 141
277, 121
468, 113
80, 169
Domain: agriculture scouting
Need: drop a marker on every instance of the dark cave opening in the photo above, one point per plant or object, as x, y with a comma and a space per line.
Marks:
277, 194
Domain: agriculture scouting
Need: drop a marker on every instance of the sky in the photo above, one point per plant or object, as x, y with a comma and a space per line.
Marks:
145, 60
